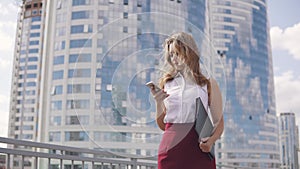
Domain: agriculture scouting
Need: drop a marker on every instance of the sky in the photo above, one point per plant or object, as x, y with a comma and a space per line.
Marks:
284, 20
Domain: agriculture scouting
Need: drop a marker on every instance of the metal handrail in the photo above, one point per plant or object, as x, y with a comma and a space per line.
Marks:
103, 157
107, 157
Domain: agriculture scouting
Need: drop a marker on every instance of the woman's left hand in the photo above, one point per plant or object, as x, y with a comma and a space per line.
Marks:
205, 144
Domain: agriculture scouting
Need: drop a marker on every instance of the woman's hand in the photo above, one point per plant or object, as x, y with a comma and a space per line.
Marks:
158, 94
206, 144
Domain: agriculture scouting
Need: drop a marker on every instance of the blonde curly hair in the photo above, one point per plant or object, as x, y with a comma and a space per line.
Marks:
186, 48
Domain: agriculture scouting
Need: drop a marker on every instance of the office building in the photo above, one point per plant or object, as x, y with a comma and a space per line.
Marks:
80, 70
80, 67
240, 32
289, 141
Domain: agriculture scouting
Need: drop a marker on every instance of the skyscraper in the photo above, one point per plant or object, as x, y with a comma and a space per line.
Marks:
289, 141
91, 62
240, 32
81, 65
26, 77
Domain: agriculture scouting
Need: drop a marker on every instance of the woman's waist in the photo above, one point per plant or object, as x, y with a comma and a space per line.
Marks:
179, 118
178, 126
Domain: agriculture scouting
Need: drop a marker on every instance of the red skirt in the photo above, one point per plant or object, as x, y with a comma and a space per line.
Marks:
179, 149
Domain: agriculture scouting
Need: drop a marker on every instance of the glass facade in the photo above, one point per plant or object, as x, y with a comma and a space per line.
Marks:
98, 55
289, 141
240, 32
26, 86
98, 75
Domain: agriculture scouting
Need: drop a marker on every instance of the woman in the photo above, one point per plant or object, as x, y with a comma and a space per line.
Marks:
175, 107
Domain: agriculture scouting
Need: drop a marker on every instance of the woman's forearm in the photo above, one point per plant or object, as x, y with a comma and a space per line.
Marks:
218, 132
160, 115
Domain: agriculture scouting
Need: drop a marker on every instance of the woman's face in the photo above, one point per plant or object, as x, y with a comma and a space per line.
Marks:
176, 59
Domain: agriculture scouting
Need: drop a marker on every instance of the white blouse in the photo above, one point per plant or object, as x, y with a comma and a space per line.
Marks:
181, 102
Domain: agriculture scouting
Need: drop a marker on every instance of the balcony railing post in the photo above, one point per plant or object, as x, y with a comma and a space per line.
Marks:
49, 163
22, 165
36, 163
72, 165
134, 165
8, 161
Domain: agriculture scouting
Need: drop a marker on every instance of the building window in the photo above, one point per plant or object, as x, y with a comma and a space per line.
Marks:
32, 59
58, 60
55, 121
30, 84
81, 2
125, 15
82, 15
56, 105
33, 51
125, 2
59, 45
76, 136
32, 35
60, 18
36, 42
27, 136
31, 75
57, 90
61, 31
58, 75
87, 28
77, 120
36, 19
79, 88
84, 57
54, 136
35, 27
80, 73
32, 67
125, 29
80, 43
78, 104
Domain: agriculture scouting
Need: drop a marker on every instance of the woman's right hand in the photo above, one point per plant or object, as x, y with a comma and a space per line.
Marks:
159, 96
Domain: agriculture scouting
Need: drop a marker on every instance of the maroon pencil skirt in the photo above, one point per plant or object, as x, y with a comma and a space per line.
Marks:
179, 149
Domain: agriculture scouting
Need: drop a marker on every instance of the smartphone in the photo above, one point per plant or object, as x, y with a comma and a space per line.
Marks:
151, 85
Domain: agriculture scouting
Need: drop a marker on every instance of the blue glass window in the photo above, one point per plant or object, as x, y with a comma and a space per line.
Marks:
58, 75
23, 52
35, 26
58, 60
79, 43
32, 59
55, 120
56, 105
32, 67
79, 88
59, 45
80, 2
35, 34
54, 136
81, 29
81, 15
85, 57
36, 42
35, 19
22, 60
76, 136
31, 75
78, 104
29, 84
58, 89
79, 73
33, 50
